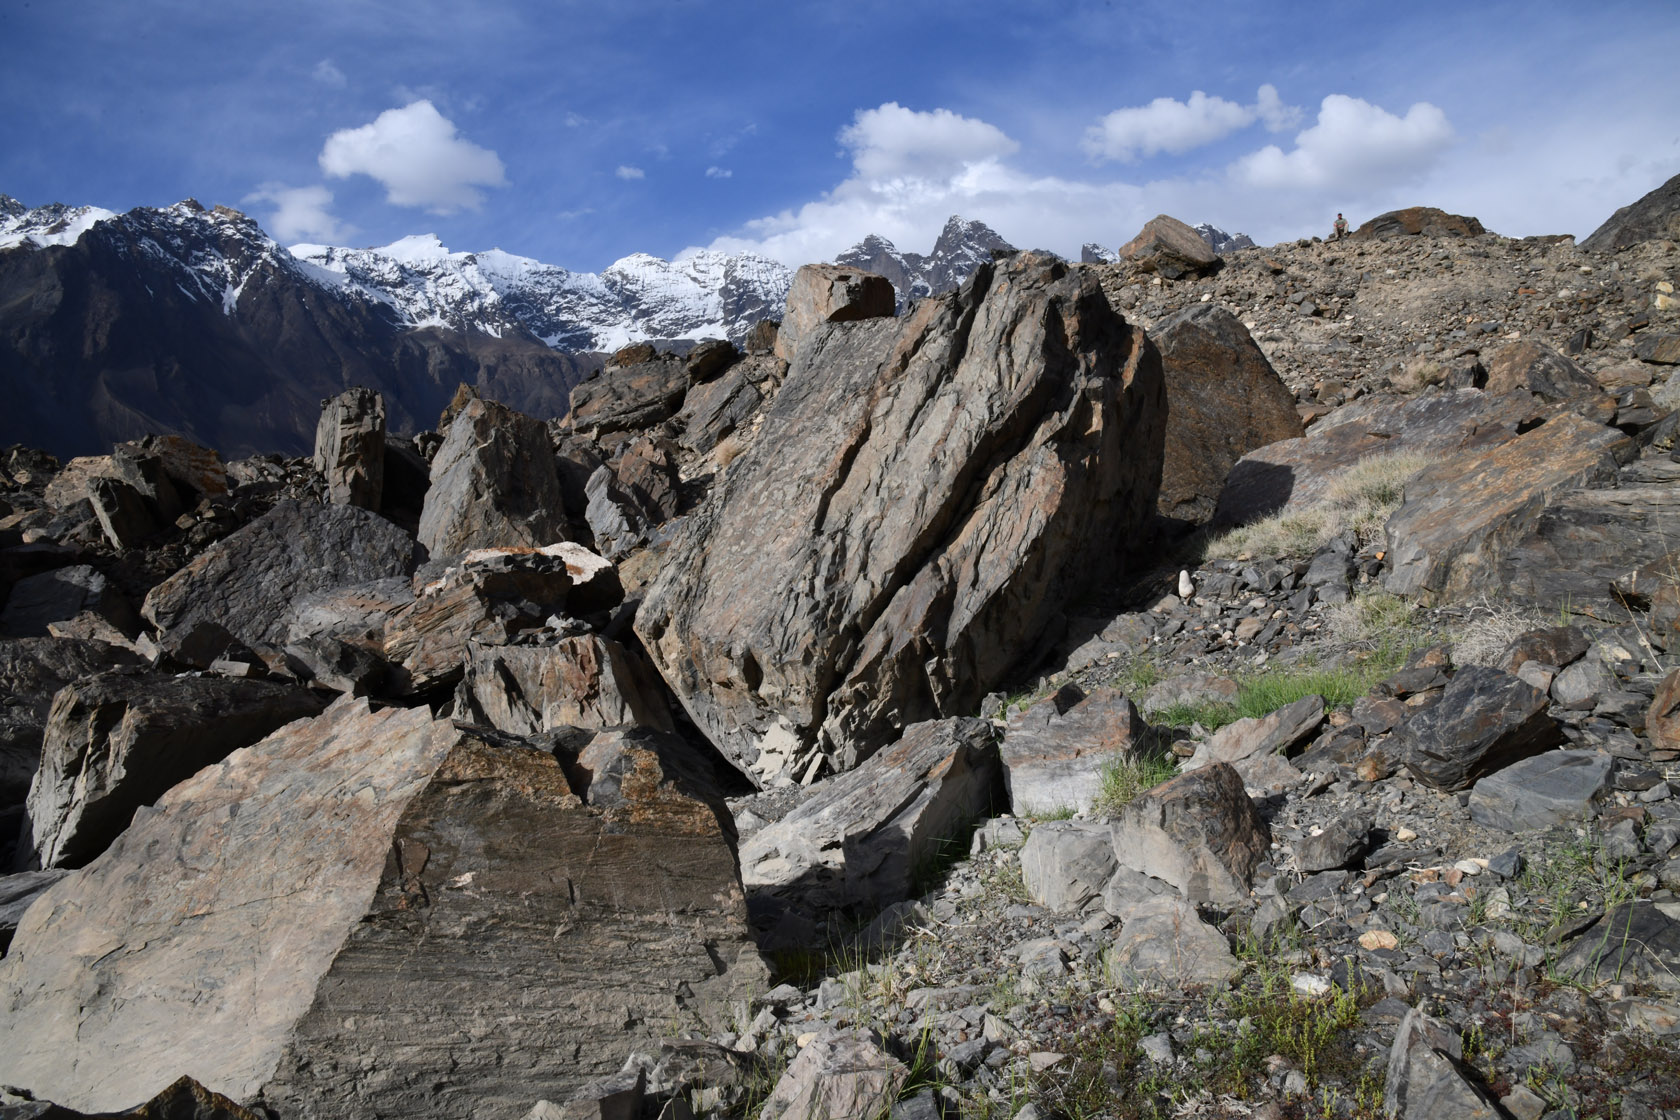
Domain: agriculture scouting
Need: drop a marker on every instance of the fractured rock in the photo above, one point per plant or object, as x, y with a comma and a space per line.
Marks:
440, 897
1636, 942
837, 1077
827, 293
1066, 864
17, 893
32, 670
1282, 730
1054, 752
1416, 221
119, 740
586, 681
250, 581
1549, 789
60, 595
1168, 246
630, 395
1224, 400
1425, 1077
862, 835
493, 484
1461, 514
1486, 720
1198, 831
923, 495
1538, 369
350, 447
1652, 217
1163, 942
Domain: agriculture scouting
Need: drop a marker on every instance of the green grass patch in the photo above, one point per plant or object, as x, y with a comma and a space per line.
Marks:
1264, 692
1125, 779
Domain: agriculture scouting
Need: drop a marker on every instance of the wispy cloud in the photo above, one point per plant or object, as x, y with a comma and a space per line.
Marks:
417, 155
329, 74
299, 213
718, 173
627, 172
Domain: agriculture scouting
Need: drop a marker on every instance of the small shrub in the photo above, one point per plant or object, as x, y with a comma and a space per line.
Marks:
1128, 777
1361, 500
1488, 631
729, 449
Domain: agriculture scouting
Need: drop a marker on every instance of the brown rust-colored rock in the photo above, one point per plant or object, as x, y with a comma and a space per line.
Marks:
350, 447
1536, 368
1223, 401
1464, 512
494, 484
586, 681
1168, 246
924, 495
828, 293
1419, 221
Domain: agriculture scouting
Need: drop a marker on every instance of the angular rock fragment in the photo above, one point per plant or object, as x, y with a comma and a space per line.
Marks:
1066, 864
837, 1077
38, 601
1054, 752
17, 893
635, 391
1199, 832
923, 494
1419, 221
1163, 942
1462, 513
1486, 720
1168, 246
32, 670
126, 517
1224, 400
249, 581
350, 448
1426, 1079
1635, 943
1281, 731
363, 899
827, 293
185, 1099
119, 740
1662, 720
617, 520
1338, 845
862, 835
493, 484
713, 411
1549, 789
1538, 369
586, 681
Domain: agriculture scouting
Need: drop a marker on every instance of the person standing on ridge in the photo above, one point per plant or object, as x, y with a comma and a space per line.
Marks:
1340, 230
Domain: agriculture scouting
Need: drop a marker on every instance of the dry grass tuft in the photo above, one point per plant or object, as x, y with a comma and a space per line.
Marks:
1361, 500
1489, 630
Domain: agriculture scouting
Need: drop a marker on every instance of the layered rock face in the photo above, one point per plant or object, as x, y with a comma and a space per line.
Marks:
379, 884
922, 497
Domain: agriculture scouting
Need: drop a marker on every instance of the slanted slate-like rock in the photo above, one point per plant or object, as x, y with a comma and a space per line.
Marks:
1224, 400
1425, 1078
862, 834
249, 581
120, 740
1054, 752
828, 293
367, 898
922, 497
837, 1077
32, 670
494, 484
1486, 720
1462, 514
1199, 832
1540, 370
350, 447
1549, 789
1281, 730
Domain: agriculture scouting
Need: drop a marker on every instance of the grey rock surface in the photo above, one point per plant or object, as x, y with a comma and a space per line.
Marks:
1486, 720
1066, 864
1198, 831
32, 670
37, 601
1279, 732
922, 497
1054, 752
828, 293
1424, 1079
494, 484
838, 1076
250, 581
1163, 941
350, 447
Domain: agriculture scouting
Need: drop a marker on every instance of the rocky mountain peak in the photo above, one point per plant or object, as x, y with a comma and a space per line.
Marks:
962, 246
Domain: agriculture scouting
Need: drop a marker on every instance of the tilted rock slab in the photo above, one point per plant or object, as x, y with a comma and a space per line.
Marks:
494, 484
1198, 831
1486, 720
924, 495
370, 913
830, 293
1536, 368
1462, 514
837, 1077
32, 670
586, 681
1168, 246
1224, 400
861, 837
350, 447
121, 739
249, 581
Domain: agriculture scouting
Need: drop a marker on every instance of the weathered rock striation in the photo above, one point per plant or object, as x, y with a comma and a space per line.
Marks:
923, 496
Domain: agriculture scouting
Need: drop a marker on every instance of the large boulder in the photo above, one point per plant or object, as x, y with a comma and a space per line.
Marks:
1652, 217
366, 899
1485, 720
1462, 513
1199, 832
118, 740
494, 484
1536, 368
827, 293
1224, 400
32, 670
643, 391
1054, 752
861, 837
38, 601
1066, 864
350, 447
1419, 221
1171, 248
837, 1077
249, 581
923, 497
585, 681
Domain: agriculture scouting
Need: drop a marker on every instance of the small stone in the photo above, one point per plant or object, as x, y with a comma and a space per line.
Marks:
1404, 835
1378, 939
1309, 985
1186, 588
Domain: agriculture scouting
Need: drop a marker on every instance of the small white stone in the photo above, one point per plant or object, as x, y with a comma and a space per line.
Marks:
1309, 985
1185, 587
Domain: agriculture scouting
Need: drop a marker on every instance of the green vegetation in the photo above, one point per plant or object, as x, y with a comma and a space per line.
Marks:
1125, 779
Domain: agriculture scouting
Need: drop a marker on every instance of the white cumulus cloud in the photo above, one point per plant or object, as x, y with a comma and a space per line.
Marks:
1354, 145
299, 214
1172, 126
892, 142
626, 172
416, 153
718, 173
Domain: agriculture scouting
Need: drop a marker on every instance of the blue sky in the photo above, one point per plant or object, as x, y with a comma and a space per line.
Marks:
581, 132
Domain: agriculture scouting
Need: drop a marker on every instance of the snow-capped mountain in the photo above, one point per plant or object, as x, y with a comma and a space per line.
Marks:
636, 299
56, 224
1221, 242
962, 246
1092, 253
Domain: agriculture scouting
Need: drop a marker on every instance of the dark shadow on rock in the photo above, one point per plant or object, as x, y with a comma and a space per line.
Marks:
1253, 490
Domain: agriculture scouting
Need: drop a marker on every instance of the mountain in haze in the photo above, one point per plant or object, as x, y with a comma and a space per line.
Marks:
962, 246
1217, 240
183, 319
